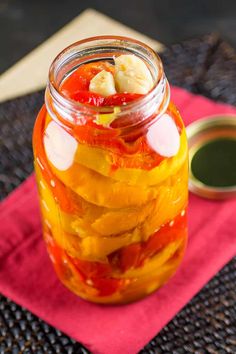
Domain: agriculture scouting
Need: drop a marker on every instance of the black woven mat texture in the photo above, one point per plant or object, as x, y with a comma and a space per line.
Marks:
207, 66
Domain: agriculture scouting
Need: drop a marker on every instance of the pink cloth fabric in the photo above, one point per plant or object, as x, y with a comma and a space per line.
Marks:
27, 276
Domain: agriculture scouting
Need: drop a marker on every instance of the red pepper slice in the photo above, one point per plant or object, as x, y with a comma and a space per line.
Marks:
88, 97
133, 256
92, 270
80, 79
164, 236
97, 100
107, 286
99, 276
119, 99
130, 256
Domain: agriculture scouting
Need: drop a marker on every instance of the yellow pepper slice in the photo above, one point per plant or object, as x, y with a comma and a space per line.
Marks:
101, 190
153, 264
98, 248
116, 222
100, 161
97, 221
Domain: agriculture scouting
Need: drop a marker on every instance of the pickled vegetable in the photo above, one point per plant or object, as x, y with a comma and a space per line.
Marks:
113, 208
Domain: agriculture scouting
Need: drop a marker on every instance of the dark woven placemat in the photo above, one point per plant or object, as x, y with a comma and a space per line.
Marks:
208, 323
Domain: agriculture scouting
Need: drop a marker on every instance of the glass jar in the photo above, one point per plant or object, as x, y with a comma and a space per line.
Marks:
113, 181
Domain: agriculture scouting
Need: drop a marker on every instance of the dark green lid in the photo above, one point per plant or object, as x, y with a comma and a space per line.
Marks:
212, 157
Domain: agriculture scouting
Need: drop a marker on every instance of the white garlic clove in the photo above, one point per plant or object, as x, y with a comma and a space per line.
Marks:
60, 146
163, 136
103, 83
132, 75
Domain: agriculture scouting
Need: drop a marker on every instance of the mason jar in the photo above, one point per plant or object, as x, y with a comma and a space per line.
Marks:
112, 181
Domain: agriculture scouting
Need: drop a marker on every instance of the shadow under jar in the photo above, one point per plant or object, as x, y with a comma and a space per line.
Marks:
113, 181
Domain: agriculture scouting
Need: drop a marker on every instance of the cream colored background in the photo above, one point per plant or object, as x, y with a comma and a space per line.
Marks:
30, 73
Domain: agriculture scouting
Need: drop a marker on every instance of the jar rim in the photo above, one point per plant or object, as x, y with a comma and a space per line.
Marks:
121, 43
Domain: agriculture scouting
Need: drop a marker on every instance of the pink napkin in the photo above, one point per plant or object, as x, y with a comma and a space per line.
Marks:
27, 276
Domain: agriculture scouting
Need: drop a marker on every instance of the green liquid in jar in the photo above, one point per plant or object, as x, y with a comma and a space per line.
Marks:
214, 164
